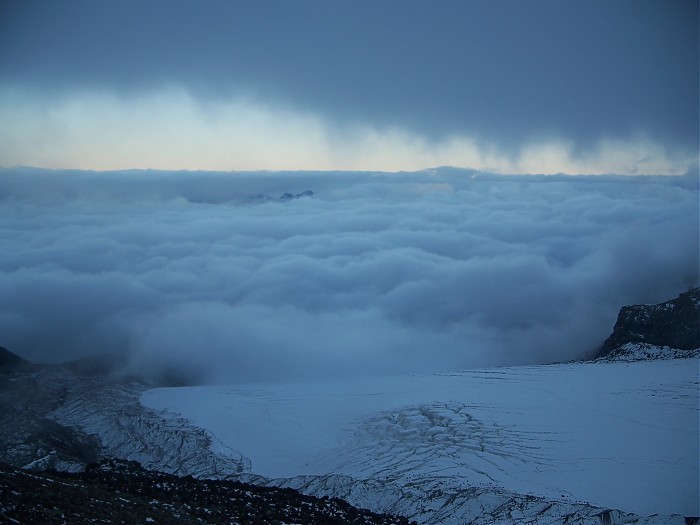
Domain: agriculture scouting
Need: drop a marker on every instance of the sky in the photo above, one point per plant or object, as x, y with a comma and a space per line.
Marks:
541, 86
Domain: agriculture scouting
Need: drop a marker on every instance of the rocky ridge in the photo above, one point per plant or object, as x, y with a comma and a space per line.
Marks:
285, 197
63, 417
658, 331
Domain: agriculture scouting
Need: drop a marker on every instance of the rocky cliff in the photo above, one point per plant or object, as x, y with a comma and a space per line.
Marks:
668, 329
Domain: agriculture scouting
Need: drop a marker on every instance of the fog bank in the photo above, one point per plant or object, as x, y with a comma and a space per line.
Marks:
213, 276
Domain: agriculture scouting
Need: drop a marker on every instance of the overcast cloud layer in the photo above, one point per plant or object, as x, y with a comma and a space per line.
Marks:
542, 86
377, 272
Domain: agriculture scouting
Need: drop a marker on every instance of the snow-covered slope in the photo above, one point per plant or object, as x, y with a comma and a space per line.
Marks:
614, 435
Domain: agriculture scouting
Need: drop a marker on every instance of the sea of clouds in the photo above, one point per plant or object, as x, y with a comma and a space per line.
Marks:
194, 273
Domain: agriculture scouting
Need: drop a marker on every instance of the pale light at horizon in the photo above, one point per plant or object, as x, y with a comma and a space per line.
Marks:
171, 129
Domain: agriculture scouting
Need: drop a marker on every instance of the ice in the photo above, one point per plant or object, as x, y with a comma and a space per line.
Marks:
616, 435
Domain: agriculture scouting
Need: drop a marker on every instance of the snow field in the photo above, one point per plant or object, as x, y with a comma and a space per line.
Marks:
617, 435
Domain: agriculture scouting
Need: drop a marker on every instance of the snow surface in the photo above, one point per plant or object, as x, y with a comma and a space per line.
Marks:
616, 435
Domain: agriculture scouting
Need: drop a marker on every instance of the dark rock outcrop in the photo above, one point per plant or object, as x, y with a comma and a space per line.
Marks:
124, 492
9, 361
289, 196
286, 196
28, 436
65, 416
674, 324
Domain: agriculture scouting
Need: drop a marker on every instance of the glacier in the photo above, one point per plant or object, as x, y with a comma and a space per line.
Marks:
447, 447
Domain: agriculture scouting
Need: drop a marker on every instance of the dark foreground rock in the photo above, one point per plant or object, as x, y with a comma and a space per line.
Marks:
123, 492
670, 329
10, 361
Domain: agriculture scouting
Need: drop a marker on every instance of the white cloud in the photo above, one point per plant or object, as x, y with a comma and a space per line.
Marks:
377, 272
171, 129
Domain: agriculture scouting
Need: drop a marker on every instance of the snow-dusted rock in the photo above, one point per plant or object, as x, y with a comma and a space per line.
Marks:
673, 324
630, 352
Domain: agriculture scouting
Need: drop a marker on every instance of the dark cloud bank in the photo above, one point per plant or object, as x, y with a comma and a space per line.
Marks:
375, 273
496, 70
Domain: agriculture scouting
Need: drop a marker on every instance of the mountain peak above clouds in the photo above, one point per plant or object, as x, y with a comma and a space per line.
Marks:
286, 196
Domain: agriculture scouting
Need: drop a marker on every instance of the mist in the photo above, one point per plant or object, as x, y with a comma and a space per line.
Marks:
212, 276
